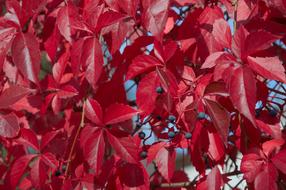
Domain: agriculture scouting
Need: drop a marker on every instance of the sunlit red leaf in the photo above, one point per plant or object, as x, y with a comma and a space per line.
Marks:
268, 67
116, 113
18, 168
9, 125
26, 55
165, 161
93, 111
12, 95
94, 150
155, 16
214, 179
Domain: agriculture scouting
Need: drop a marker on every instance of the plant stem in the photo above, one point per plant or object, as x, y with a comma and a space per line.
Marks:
235, 15
81, 125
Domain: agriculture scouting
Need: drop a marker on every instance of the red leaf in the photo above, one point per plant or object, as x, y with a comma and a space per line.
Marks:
117, 113
9, 125
12, 95
271, 146
60, 66
258, 41
155, 16
267, 178
165, 161
125, 148
129, 6
50, 160
268, 67
216, 148
251, 165
141, 64
56, 104
6, 37
29, 138
67, 91
238, 42
279, 160
153, 151
47, 138
211, 60
168, 81
76, 55
222, 33
214, 179
108, 18
146, 94
135, 173
94, 150
220, 118
26, 55
93, 111
92, 59
18, 168
242, 90
67, 20
38, 173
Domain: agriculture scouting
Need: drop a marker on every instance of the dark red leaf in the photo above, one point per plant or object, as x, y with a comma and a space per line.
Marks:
146, 94
242, 90
141, 64
125, 148
220, 117
279, 160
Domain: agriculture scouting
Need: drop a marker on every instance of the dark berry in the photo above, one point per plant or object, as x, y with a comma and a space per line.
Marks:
159, 117
257, 112
143, 154
141, 135
58, 173
172, 118
171, 134
272, 112
188, 135
138, 125
201, 115
159, 90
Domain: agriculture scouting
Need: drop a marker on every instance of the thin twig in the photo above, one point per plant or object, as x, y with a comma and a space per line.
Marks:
81, 125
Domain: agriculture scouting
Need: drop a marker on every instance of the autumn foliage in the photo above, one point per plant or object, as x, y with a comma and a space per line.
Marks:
114, 94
